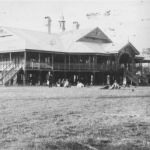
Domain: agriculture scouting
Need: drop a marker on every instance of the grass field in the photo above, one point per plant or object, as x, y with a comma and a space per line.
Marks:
42, 118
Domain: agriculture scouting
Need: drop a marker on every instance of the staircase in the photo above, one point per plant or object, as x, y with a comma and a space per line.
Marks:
8, 67
143, 79
131, 76
10, 72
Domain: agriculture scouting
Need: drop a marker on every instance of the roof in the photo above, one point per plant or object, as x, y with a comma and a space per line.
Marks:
76, 41
70, 37
116, 47
34, 40
86, 47
146, 60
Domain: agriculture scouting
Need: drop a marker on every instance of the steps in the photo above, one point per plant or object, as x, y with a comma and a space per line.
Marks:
10, 72
144, 80
131, 76
8, 68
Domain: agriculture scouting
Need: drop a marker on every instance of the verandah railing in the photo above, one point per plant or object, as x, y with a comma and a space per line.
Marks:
12, 72
68, 66
4, 64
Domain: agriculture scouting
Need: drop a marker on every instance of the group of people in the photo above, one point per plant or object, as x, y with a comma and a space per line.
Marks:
61, 83
65, 83
115, 85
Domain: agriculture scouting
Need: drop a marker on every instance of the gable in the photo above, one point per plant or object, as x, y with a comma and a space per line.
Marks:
130, 49
97, 36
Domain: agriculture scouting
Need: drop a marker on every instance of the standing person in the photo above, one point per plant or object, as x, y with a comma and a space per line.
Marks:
49, 79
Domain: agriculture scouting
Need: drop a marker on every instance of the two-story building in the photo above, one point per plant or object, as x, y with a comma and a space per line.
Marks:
87, 55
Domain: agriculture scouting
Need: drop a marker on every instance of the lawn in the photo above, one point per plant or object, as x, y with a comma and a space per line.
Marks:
42, 118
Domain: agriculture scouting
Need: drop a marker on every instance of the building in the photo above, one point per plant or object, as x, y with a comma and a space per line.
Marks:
87, 55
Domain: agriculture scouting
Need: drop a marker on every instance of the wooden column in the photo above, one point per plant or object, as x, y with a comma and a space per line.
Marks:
10, 56
93, 62
69, 62
53, 61
116, 61
65, 62
89, 62
93, 78
53, 77
39, 60
39, 78
25, 71
79, 77
25, 59
141, 67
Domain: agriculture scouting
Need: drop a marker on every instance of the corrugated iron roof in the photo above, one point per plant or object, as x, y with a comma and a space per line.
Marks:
36, 40
116, 47
70, 37
63, 42
86, 47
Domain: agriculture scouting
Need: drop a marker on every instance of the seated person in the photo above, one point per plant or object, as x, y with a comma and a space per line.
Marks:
106, 87
62, 83
80, 85
66, 83
58, 83
115, 85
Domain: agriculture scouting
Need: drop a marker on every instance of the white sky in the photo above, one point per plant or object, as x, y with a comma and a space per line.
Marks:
127, 18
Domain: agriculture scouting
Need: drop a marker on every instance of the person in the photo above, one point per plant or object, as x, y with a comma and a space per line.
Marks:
115, 85
106, 87
66, 83
80, 85
62, 83
49, 79
58, 83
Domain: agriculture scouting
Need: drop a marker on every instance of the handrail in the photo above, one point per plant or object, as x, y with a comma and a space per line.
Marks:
4, 71
12, 72
68, 66
143, 78
132, 77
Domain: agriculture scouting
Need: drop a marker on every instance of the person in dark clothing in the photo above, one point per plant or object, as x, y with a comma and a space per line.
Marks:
49, 79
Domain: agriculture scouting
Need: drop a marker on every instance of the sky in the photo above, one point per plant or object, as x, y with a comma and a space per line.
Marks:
120, 20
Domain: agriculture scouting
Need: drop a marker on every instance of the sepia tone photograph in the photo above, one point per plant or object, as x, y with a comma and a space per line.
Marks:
75, 75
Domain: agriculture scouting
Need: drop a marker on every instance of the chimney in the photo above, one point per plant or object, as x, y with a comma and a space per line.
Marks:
62, 23
49, 24
75, 25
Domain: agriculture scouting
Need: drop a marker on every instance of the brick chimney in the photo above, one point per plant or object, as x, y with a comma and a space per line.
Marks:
75, 25
49, 24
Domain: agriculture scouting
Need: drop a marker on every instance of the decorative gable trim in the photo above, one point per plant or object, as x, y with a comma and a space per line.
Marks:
96, 35
129, 44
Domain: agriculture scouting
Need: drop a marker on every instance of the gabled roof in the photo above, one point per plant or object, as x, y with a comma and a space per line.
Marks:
86, 47
117, 47
35, 40
19, 39
96, 33
70, 37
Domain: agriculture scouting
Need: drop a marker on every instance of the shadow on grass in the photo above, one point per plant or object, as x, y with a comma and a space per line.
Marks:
62, 145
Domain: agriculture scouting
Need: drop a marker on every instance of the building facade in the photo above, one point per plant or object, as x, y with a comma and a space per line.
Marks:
85, 55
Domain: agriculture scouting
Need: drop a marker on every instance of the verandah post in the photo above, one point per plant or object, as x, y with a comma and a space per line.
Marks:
39, 60
53, 61
10, 56
69, 62
25, 71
